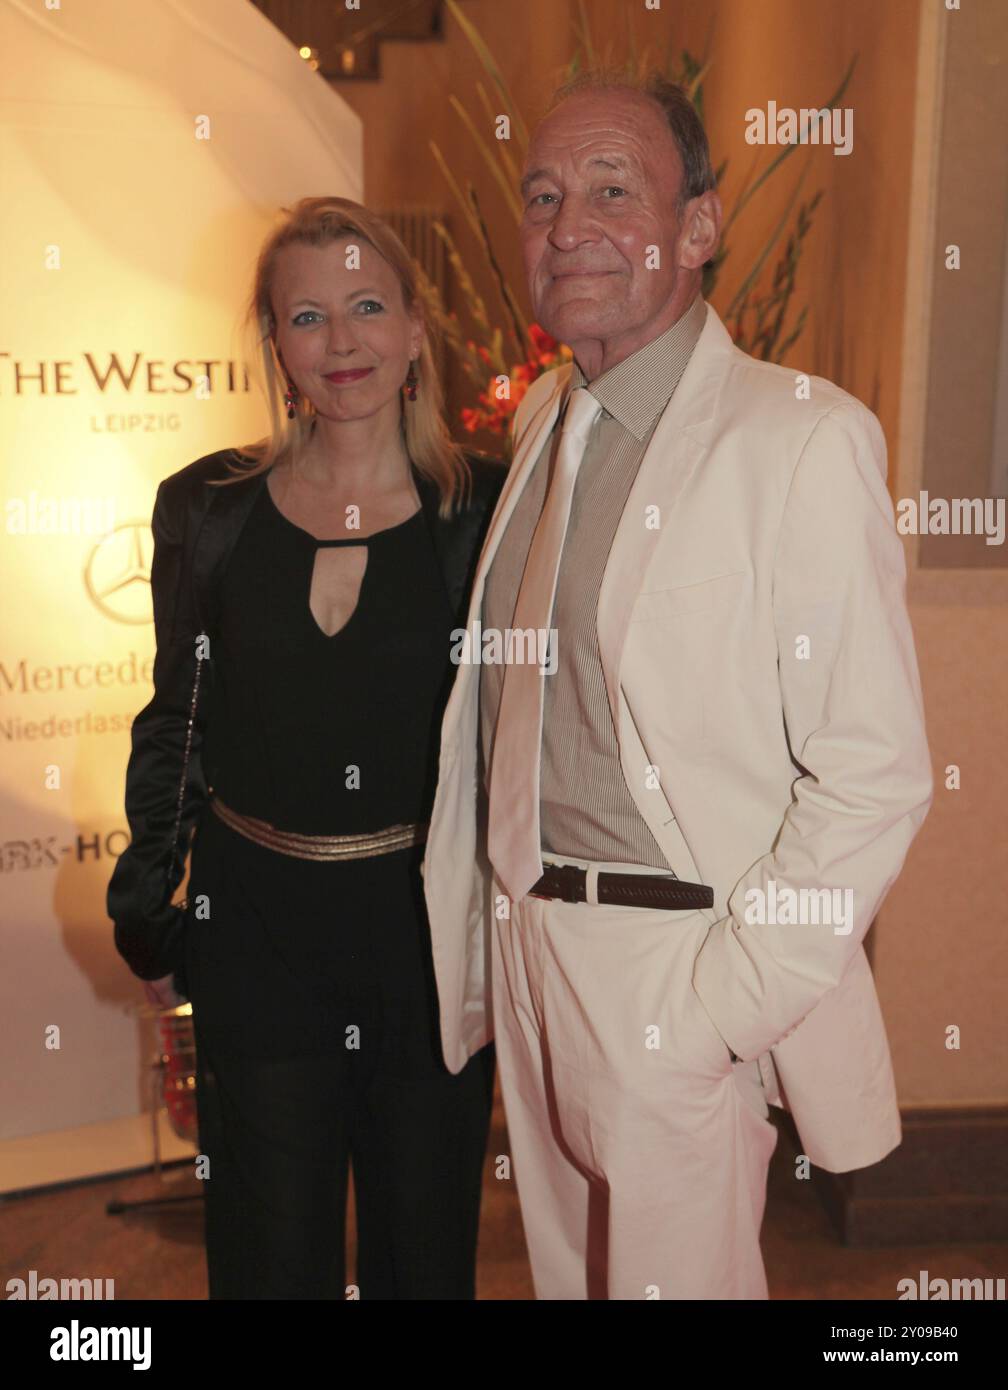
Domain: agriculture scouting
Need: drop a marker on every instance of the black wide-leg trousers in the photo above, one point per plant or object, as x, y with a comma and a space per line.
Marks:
318, 1052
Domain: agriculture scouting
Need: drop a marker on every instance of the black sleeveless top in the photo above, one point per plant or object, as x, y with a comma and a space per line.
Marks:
329, 735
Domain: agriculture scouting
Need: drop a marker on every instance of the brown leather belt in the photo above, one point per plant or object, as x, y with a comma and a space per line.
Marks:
567, 882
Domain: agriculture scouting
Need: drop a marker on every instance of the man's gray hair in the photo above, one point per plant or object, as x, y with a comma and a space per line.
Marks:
683, 121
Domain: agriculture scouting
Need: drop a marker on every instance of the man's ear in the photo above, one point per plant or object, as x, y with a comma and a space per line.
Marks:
702, 219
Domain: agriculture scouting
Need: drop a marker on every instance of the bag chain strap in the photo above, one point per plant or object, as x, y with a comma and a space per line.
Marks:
188, 749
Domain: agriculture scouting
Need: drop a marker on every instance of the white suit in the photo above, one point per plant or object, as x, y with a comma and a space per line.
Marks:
759, 660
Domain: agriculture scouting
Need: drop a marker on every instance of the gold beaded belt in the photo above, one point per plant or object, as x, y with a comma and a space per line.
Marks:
320, 846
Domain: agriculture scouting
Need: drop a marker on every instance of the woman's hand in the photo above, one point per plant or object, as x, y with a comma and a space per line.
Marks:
163, 992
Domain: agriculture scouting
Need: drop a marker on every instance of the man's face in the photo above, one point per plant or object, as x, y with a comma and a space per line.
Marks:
600, 187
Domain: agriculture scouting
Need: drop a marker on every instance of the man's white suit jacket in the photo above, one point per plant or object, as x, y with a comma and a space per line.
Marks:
761, 674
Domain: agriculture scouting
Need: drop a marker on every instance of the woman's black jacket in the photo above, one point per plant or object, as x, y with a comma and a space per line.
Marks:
195, 529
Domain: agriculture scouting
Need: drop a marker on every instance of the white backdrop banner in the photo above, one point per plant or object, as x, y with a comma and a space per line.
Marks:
146, 147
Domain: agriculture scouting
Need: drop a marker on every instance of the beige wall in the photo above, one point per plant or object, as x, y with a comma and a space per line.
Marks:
967, 304
942, 957
939, 953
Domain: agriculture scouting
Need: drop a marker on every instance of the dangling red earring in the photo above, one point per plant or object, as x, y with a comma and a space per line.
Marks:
411, 382
290, 399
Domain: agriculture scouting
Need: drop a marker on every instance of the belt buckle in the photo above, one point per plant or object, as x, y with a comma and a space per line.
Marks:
569, 882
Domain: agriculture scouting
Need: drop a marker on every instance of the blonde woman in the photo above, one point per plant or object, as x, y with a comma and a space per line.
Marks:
305, 590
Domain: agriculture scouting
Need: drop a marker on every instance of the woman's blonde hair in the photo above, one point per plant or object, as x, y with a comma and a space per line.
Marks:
317, 222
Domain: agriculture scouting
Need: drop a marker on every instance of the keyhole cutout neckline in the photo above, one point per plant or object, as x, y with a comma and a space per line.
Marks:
325, 581
329, 587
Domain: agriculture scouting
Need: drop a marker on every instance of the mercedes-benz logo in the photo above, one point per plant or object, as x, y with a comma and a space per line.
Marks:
117, 573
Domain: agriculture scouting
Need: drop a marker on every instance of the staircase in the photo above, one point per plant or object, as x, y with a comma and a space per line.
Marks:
343, 43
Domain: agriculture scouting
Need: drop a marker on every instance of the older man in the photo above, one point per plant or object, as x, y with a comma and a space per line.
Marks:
659, 862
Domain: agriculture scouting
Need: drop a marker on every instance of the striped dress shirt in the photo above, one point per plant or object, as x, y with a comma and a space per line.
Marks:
586, 809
